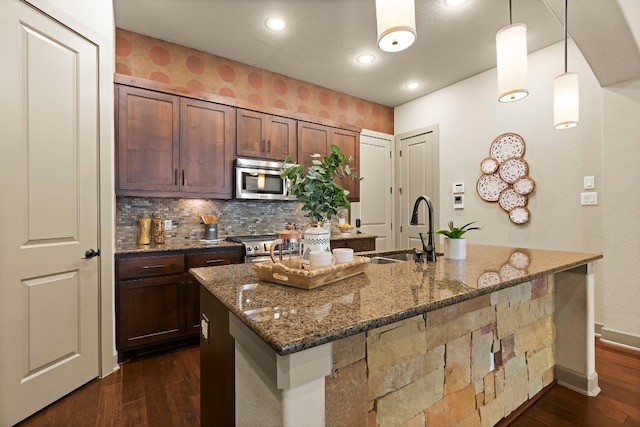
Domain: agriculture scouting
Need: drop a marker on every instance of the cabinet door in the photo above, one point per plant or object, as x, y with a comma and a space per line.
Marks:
312, 138
358, 245
207, 133
282, 138
147, 143
251, 138
150, 310
349, 144
265, 136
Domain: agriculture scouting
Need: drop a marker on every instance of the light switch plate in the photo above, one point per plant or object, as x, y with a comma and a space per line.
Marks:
167, 225
589, 182
457, 187
589, 198
458, 201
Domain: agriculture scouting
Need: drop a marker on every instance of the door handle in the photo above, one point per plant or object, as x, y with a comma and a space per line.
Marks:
91, 253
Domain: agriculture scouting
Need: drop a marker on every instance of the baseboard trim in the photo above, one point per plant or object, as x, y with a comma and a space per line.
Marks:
612, 337
598, 328
576, 381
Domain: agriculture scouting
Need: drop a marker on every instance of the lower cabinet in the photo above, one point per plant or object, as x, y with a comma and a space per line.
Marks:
357, 244
158, 301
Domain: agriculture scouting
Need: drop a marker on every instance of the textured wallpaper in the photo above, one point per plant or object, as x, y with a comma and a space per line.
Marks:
145, 57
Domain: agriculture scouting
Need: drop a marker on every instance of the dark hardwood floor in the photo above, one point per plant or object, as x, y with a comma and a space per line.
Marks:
164, 390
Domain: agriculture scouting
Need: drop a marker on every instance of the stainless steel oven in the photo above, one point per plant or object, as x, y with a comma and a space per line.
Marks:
256, 247
260, 179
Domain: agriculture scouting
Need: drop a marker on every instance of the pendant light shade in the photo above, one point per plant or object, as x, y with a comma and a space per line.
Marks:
396, 21
511, 50
566, 100
566, 92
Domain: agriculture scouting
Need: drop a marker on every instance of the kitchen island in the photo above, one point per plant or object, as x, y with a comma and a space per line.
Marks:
466, 341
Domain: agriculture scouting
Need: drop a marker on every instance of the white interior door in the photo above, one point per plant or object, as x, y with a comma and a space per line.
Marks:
418, 174
49, 167
375, 207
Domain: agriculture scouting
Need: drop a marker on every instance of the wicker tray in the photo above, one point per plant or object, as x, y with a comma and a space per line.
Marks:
310, 279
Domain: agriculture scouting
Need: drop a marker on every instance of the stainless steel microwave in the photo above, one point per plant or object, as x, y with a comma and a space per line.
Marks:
260, 179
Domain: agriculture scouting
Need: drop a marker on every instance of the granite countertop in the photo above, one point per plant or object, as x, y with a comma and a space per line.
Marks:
291, 319
186, 244
174, 245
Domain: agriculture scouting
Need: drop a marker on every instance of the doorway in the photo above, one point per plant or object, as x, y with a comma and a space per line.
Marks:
417, 166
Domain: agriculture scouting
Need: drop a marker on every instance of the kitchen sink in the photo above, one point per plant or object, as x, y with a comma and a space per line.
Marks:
390, 258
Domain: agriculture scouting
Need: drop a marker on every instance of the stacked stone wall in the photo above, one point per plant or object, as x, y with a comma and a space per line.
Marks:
469, 364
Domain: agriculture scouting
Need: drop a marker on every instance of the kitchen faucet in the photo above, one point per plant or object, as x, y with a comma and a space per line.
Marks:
430, 247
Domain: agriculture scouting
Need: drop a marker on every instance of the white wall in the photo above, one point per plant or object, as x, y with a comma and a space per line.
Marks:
621, 210
470, 117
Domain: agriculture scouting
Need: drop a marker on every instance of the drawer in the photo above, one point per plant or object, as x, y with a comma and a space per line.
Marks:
159, 265
213, 258
358, 245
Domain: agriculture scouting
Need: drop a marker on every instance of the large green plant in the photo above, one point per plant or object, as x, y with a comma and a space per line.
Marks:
457, 232
318, 190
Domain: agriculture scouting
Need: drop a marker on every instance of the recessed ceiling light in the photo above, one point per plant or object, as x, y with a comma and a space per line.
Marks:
412, 85
454, 3
366, 58
276, 24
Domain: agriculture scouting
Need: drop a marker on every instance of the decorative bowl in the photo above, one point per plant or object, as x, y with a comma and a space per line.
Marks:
345, 229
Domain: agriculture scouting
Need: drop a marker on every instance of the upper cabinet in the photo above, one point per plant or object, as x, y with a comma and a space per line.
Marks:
171, 142
349, 143
169, 145
265, 136
316, 138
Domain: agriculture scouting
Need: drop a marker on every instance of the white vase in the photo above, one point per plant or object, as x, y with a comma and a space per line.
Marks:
315, 239
455, 248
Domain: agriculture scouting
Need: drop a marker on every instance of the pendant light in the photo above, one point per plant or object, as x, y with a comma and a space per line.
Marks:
566, 92
396, 21
511, 52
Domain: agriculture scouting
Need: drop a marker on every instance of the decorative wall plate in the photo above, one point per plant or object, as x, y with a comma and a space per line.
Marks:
489, 165
490, 186
524, 185
512, 169
506, 146
519, 215
509, 199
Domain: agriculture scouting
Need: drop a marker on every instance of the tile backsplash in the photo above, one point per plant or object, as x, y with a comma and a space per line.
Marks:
235, 217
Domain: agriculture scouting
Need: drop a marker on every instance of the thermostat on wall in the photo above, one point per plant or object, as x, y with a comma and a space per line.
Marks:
458, 187
458, 201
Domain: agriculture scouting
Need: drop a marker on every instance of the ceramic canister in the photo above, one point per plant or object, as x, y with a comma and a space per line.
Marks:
315, 239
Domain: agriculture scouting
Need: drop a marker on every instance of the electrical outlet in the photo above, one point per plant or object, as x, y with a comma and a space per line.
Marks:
167, 225
589, 198
204, 327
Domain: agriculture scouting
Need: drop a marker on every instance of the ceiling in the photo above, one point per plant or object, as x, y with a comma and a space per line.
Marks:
324, 37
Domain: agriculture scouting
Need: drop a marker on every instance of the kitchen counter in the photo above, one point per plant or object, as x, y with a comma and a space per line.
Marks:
291, 319
173, 245
185, 244
401, 344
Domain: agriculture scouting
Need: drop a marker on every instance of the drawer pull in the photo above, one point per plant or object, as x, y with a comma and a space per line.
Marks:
214, 261
148, 267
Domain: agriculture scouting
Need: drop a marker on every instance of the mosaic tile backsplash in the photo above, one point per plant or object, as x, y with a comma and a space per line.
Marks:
235, 217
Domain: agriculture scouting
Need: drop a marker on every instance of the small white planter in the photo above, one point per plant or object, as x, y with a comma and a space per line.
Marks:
455, 248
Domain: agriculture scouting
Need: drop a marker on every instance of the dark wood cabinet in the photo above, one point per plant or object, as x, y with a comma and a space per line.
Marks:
158, 301
169, 145
349, 143
315, 138
265, 136
312, 138
357, 244
148, 141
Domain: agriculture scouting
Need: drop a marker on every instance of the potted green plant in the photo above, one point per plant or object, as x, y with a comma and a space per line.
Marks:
455, 246
318, 191
320, 195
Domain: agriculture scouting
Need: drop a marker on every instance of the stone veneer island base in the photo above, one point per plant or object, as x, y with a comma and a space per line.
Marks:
405, 344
